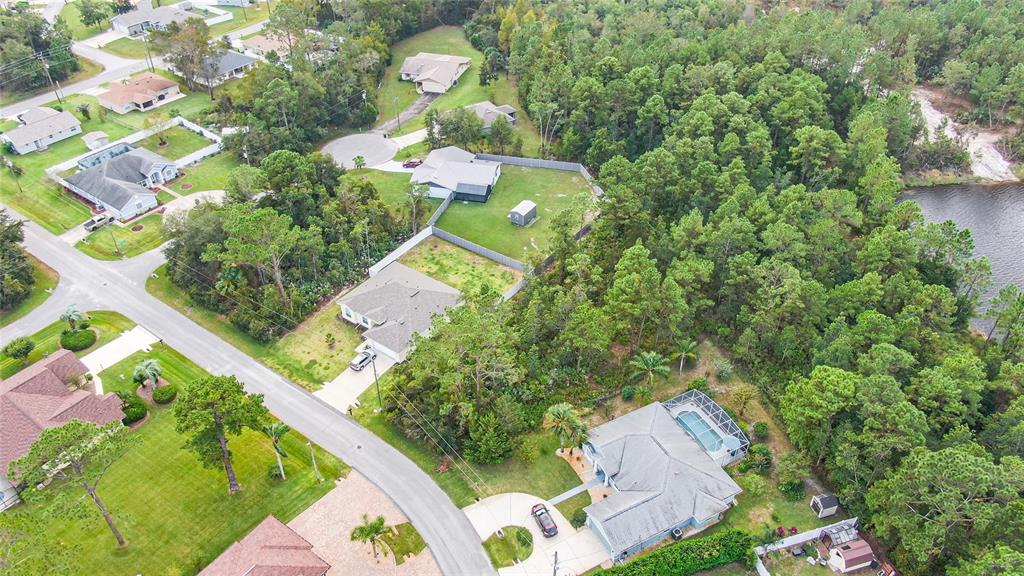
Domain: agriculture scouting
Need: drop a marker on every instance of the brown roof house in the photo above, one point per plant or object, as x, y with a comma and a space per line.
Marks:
38, 398
139, 93
271, 549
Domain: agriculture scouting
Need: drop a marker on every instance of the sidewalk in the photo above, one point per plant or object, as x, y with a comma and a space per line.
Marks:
125, 345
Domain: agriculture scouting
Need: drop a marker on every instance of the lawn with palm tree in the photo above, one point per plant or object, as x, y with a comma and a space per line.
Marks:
176, 514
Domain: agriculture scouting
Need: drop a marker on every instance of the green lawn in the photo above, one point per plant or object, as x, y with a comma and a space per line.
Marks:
193, 106
108, 324
115, 242
515, 545
393, 189
404, 541
395, 95
546, 477
73, 18
210, 174
178, 142
458, 267
176, 514
46, 279
87, 69
252, 15
132, 48
487, 224
302, 355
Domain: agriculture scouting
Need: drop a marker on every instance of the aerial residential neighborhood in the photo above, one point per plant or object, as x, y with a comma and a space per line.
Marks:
515, 288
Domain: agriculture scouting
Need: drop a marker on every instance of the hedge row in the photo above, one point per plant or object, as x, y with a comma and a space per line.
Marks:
690, 556
165, 394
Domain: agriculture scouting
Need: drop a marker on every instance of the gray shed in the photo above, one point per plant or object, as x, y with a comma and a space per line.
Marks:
524, 213
824, 505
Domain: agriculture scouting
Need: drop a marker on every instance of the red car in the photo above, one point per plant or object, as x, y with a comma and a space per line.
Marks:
411, 163
544, 520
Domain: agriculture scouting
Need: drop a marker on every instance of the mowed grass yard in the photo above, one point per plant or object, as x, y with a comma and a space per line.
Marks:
458, 267
546, 477
73, 18
46, 279
132, 48
393, 189
254, 14
487, 224
396, 95
114, 242
178, 142
176, 514
108, 325
302, 355
210, 174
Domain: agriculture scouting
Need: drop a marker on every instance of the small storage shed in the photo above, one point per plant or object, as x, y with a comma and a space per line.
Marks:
851, 556
524, 213
824, 505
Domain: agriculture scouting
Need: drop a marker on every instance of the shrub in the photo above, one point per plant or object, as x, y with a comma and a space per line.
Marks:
690, 556
760, 430
19, 348
76, 340
724, 368
134, 408
527, 450
84, 323
753, 485
273, 472
793, 467
165, 394
628, 392
759, 459
579, 518
701, 384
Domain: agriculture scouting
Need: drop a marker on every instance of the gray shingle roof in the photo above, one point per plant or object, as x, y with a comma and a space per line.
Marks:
115, 181
41, 125
662, 476
399, 302
229, 60
487, 112
163, 15
452, 167
440, 68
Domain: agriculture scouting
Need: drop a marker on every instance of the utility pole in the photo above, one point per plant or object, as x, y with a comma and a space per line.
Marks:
46, 68
149, 55
373, 362
312, 458
554, 569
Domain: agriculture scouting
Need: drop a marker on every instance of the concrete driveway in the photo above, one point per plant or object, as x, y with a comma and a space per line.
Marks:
373, 147
185, 203
578, 550
344, 390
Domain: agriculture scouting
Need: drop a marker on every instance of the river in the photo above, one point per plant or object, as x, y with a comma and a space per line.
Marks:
995, 217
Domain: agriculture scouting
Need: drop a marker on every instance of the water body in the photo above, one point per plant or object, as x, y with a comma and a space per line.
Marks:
995, 217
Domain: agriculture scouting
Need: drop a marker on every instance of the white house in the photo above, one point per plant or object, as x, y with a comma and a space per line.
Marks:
394, 305
39, 128
433, 73
120, 183
452, 169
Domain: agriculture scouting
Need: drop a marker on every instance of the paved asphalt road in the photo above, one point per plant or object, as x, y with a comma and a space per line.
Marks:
120, 286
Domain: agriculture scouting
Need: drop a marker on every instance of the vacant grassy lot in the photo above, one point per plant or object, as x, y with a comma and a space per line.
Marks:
516, 545
396, 95
487, 224
458, 267
73, 18
113, 242
210, 174
127, 48
241, 18
176, 514
108, 325
302, 355
178, 142
87, 69
46, 279
546, 477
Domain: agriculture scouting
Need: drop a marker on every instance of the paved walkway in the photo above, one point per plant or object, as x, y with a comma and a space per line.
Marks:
578, 550
125, 345
328, 524
344, 390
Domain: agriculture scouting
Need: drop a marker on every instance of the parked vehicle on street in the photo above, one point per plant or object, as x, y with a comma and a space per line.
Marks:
411, 163
362, 360
98, 221
544, 520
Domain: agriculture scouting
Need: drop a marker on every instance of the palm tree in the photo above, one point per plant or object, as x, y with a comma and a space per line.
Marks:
648, 365
276, 431
371, 531
686, 350
148, 369
563, 419
72, 316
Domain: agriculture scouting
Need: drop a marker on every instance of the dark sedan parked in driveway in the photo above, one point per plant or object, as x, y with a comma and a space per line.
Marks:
544, 520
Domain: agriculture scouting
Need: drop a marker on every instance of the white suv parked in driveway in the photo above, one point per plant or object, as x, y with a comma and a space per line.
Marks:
362, 360
98, 221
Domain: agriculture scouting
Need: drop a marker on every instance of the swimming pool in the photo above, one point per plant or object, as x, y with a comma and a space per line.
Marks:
700, 429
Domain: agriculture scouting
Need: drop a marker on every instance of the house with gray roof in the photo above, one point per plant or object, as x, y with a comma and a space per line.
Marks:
488, 112
433, 73
395, 305
665, 482
225, 66
39, 128
146, 18
121, 183
452, 169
